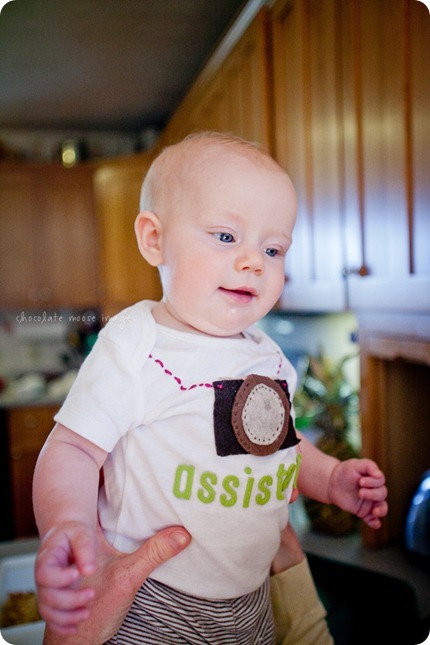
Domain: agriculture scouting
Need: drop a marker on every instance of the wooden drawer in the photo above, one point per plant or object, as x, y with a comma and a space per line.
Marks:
27, 430
29, 427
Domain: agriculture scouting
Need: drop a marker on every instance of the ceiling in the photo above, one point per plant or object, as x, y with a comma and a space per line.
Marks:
118, 65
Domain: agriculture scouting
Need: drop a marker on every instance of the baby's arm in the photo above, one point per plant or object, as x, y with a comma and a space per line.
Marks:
65, 489
355, 485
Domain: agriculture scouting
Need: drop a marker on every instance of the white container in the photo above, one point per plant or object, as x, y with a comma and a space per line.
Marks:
29, 634
17, 575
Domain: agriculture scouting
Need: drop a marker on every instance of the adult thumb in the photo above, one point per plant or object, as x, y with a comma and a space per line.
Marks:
157, 549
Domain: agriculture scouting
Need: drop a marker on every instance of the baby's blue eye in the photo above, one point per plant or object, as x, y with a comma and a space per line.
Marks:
272, 252
224, 237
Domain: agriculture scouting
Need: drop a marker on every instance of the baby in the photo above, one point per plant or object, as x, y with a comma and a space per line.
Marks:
184, 406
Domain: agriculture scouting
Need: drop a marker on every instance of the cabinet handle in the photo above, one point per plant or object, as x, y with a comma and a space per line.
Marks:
360, 271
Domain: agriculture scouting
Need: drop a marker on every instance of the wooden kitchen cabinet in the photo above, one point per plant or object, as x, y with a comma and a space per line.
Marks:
17, 261
24, 432
67, 244
395, 410
308, 138
48, 241
126, 276
352, 97
232, 93
386, 103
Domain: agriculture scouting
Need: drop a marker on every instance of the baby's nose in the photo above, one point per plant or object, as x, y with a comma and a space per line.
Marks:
250, 259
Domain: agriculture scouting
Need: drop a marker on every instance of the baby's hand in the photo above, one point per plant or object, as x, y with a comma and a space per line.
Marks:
358, 486
66, 555
115, 582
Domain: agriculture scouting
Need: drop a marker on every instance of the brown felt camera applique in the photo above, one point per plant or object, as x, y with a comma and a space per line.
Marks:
253, 416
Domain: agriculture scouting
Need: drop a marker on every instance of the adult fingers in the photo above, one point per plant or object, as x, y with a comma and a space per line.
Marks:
156, 550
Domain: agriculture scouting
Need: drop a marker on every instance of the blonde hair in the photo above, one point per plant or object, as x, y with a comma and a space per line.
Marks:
171, 161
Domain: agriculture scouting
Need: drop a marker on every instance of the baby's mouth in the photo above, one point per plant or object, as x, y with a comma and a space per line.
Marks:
243, 292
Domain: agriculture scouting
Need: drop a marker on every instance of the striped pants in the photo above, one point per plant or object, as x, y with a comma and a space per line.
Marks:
162, 616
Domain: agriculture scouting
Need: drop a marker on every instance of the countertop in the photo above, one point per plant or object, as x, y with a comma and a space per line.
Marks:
34, 390
21, 546
9, 403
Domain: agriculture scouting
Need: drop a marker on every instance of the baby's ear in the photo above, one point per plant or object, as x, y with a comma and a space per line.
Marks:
148, 233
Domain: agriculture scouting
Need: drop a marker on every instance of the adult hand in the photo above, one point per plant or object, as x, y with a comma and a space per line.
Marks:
117, 578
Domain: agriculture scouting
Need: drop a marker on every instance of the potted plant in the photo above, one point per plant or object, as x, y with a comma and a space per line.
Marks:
326, 403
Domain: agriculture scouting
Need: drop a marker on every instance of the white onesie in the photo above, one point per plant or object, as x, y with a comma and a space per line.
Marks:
181, 415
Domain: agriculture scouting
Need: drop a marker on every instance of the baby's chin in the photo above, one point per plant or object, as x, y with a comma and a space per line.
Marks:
211, 323
213, 329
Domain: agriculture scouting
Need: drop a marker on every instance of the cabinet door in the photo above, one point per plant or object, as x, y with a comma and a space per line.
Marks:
28, 429
419, 69
237, 99
66, 238
308, 144
231, 95
386, 54
48, 242
126, 276
17, 263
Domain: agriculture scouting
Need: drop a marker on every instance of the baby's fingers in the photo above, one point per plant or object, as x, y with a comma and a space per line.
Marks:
378, 494
373, 522
369, 468
371, 514
380, 510
66, 599
65, 623
371, 482
65, 609
49, 575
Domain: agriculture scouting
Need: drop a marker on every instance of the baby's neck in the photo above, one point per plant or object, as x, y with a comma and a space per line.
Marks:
163, 316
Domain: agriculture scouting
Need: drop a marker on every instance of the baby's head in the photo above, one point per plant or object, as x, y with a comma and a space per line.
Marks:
176, 163
217, 215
